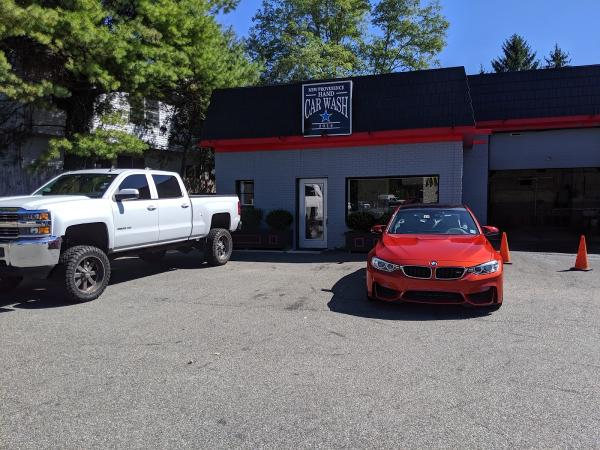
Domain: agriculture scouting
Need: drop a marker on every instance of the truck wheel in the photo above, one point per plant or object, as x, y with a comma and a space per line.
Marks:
219, 246
153, 257
85, 272
7, 284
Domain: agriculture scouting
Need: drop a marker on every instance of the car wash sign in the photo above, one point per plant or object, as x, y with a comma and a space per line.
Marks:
327, 108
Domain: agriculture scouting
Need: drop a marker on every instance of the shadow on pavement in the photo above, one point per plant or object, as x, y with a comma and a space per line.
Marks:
332, 256
349, 297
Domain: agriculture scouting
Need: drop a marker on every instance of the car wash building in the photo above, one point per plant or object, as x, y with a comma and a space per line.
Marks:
521, 149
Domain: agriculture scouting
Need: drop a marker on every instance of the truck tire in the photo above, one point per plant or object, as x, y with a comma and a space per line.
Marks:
219, 246
153, 257
8, 284
85, 272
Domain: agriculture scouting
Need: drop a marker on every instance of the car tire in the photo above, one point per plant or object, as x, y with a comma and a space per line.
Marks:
84, 273
153, 257
219, 246
8, 284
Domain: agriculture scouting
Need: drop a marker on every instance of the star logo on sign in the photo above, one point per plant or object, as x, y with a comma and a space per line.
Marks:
325, 116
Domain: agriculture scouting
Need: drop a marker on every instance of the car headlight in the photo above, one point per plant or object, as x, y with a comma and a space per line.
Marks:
485, 268
385, 266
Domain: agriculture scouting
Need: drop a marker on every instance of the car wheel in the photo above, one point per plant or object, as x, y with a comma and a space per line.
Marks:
8, 284
85, 272
153, 257
219, 246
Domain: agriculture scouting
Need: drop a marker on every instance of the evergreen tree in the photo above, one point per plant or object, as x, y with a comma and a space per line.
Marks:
557, 58
517, 55
65, 54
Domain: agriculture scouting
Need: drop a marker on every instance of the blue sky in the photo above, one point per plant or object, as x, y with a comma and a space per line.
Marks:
478, 28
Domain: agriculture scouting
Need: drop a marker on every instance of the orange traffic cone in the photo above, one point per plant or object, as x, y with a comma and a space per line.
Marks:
581, 263
504, 251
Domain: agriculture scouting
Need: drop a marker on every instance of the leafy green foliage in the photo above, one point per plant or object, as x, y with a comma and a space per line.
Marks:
360, 221
107, 141
516, 55
410, 35
251, 218
70, 52
557, 58
312, 39
279, 219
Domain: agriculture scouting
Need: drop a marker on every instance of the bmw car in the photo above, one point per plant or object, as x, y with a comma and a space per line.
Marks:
435, 254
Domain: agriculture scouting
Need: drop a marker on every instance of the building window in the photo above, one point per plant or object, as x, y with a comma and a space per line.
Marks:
245, 192
379, 196
144, 112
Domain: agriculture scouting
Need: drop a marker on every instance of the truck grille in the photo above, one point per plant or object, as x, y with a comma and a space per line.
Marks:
449, 273
9, 232
8, 217
423, 272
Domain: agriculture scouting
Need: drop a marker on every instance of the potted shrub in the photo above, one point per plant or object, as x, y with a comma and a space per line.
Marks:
252, 236
360, 238
280, 232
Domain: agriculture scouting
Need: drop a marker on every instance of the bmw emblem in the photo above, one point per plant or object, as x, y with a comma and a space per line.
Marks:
433, 263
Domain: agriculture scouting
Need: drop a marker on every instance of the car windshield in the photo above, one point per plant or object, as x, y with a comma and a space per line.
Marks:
433, 221
92, 185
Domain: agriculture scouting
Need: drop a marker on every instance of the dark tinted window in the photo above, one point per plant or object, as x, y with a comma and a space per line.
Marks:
139, 182
167, 186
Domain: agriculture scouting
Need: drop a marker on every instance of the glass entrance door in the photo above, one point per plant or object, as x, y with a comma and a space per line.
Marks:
313, 212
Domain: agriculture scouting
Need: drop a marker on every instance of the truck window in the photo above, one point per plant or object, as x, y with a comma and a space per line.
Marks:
167, 186
139, 182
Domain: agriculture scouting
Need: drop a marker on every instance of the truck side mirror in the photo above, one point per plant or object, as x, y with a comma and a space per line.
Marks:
378, 229
127, 194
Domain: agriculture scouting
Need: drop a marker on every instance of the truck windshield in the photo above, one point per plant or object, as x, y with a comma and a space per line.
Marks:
433, 221
92, 185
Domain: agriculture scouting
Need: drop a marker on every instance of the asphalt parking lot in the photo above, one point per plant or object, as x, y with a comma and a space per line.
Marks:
283, 351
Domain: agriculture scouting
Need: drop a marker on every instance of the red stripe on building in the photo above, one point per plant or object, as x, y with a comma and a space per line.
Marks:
543, 123
452, 134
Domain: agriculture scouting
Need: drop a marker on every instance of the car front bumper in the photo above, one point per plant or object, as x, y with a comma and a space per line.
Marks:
26, 256
470, 290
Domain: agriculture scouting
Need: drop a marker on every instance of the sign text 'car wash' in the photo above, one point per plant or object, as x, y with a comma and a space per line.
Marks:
327, 108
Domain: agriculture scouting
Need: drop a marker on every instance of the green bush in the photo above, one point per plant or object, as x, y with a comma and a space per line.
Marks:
251, 218
279, 219
360, 221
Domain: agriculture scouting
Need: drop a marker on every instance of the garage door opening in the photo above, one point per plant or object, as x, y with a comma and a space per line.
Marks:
547, 207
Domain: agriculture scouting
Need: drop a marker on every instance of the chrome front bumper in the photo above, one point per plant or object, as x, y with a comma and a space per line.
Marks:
30, 252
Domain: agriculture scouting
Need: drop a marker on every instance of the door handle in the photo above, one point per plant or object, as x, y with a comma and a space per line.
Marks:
185, 205
151, 208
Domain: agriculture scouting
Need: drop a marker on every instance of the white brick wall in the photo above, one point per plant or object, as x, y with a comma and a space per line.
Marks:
275, 173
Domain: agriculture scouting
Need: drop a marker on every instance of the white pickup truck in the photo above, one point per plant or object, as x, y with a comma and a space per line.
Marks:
70, 227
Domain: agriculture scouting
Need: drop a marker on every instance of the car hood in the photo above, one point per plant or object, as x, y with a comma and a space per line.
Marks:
37, 201
445, 250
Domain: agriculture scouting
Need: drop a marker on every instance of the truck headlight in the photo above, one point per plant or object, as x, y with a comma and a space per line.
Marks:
43, 215
37, 231
383, 265
485, 268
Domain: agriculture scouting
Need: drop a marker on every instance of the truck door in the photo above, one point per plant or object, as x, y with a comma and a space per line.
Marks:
174, 209
136, 221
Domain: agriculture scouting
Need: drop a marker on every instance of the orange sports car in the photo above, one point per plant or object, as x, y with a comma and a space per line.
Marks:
435, 254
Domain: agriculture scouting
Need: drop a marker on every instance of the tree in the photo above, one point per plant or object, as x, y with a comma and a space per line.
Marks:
300, 39
517, 55
68, 53
304, 39
557, 58
410, 35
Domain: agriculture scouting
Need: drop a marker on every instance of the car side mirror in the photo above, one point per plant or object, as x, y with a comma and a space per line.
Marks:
490, 231
377, 229
127, 194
